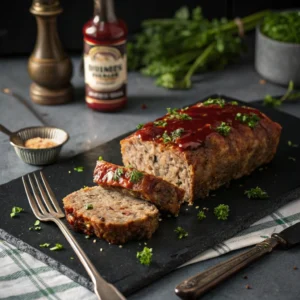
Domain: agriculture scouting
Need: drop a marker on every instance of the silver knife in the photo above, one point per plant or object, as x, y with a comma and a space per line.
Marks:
195, 286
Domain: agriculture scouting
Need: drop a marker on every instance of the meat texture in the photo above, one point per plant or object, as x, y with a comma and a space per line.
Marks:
166, 196
110, 215
203, 147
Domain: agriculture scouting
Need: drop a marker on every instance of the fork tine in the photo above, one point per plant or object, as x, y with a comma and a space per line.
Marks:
44, 196
37, 197
51, 195
31, 200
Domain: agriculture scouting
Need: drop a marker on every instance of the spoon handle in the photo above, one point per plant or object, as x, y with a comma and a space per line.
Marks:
5, 130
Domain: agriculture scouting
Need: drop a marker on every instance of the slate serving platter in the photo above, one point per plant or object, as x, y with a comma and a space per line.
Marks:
280, 178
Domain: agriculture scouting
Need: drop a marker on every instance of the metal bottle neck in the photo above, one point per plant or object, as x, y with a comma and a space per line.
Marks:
104, 11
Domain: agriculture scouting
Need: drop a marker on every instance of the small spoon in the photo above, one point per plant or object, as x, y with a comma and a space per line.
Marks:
14, 138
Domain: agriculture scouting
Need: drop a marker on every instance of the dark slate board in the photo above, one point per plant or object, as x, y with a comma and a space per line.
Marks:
119, 266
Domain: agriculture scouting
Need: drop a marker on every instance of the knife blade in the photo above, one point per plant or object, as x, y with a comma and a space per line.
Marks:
197, 285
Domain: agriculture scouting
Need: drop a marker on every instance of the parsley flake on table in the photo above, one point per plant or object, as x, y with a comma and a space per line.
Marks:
118, 173
135, 176
222, 211
15, 211
223, 129
201, 215
145, 256
216, 101
174, 113
291, 144
292, 158
45, 245
161, 123
57, 247
250, 119
234, 103
140, 126
256, 193
88, 206
181, 233
79, 169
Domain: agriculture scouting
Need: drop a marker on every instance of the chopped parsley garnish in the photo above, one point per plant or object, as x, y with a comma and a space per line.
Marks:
118, 173
292, 158
217, 101
201, 215
181, 233
78, 169
140, 126
37, 223
145, 256
291, 144
45, 245
15, 210
250, 119
89, 206
37, 228
234, 103
223, 129
174, 135
256, 193
87, 236
57, 247
221, 211
161, 123
135, 176
99, 158
175, 114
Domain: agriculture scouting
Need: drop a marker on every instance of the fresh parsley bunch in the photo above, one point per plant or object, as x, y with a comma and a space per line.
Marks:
172, 50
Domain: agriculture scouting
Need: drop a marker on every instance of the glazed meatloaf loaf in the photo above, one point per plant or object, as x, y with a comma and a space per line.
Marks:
201, 147
166, 196
110, 215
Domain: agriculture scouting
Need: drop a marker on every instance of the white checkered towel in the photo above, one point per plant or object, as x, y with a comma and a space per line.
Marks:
25, 278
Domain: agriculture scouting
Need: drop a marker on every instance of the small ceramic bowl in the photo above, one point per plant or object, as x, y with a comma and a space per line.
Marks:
42, 156
278, 62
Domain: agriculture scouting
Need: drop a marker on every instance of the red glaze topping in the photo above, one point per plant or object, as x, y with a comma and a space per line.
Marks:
113, 175
205, 120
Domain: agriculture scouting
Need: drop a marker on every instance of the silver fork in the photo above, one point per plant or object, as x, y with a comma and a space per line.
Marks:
45, 207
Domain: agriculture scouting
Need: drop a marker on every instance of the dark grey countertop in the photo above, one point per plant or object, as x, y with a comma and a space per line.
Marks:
272, 277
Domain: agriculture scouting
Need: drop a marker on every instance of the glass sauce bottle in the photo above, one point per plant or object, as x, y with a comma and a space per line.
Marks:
105, 63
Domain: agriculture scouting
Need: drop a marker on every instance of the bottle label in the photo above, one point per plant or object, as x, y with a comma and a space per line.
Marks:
105, 72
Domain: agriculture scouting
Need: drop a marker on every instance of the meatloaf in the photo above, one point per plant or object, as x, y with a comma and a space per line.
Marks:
166, 196
110, 215
204, 146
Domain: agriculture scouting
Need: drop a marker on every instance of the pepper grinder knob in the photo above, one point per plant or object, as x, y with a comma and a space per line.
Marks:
49, 66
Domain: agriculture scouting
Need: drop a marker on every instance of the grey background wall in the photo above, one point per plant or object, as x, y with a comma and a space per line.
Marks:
18, 28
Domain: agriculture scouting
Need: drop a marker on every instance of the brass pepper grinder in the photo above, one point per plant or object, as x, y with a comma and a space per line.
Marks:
49, 67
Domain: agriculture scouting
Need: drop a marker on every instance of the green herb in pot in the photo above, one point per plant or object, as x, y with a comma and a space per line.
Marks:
282, 26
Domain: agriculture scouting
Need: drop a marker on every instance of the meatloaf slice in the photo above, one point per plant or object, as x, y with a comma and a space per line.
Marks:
110, 215
166, 196
203, 146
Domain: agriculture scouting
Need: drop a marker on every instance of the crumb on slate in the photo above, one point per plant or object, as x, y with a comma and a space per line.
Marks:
262, 81
245, 277
248, 287
295, 268
143, 106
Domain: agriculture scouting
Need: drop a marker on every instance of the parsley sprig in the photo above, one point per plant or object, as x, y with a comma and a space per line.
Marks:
181, 233
173, 136
161, 123
223, 129
145, 256
174, 113
89, 206
79, 169
118, 173
251, 119
217, 101
139, 126
57, 247
222, 211
201, 215
135, 176
256, 193
15, 211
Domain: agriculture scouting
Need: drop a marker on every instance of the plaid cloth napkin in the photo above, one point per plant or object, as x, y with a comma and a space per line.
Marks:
25, 278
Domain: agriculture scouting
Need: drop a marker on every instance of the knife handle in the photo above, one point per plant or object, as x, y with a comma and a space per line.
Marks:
197, 285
